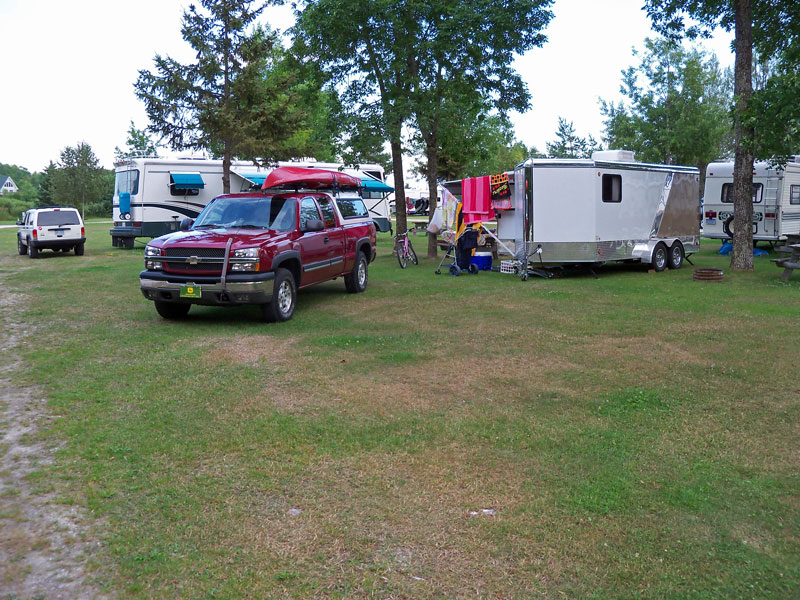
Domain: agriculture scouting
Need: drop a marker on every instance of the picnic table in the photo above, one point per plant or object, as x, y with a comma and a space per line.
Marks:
791, 261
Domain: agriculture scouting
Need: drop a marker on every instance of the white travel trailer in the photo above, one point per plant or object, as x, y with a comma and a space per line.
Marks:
607, 208
776, 201
152, 195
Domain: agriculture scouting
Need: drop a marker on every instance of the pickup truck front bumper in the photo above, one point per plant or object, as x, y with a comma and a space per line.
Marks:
240, 288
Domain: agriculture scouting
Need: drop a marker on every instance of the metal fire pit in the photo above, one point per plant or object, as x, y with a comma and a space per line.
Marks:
707, 275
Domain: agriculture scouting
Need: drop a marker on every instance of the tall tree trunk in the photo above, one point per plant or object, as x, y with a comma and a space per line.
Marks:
401, 223
432, 155
226, 170
742, 254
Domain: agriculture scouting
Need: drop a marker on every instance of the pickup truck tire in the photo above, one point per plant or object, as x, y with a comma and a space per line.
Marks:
284, 298
172, 310
21, 249
356, 280
79, 251
33, 251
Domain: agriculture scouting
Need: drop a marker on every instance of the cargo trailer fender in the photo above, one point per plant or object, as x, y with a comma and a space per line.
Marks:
644, 250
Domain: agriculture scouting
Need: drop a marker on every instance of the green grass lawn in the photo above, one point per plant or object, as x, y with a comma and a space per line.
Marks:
633, 435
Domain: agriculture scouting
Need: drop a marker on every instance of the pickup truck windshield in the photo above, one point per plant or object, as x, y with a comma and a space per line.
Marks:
266, 212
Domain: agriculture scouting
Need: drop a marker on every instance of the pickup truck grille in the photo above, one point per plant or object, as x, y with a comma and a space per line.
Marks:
199, 252
182, 267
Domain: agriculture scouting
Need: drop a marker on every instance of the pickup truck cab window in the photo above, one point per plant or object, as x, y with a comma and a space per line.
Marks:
308, 210
327, 212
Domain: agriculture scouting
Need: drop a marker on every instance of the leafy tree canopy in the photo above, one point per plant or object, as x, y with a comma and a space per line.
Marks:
569, 144
677, 110
138, 143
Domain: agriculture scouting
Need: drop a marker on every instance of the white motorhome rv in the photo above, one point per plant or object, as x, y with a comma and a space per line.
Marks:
152, 195
776, 201
607, 208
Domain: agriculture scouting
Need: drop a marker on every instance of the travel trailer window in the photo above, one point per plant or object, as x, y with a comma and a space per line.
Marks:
612, 188
727, 193
794, 194
126, 181
352, 208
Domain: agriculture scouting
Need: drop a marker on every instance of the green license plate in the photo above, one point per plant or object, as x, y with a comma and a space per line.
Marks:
190, 291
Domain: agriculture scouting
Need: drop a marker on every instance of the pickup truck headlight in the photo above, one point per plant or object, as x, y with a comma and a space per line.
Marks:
246, 253
152, 265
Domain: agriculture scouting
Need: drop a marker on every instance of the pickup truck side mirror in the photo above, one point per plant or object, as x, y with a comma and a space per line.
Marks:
314, 225
186, 222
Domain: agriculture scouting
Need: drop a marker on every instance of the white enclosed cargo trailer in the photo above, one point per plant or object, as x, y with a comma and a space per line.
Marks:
592, 211
152, 195
776, 201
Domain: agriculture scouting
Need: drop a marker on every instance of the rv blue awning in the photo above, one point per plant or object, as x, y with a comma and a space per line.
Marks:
187, 181
254, 178
376, 186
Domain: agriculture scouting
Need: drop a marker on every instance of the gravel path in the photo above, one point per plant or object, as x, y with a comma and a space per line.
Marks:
44, 545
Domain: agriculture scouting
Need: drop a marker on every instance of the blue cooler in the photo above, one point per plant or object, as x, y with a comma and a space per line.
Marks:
482, 260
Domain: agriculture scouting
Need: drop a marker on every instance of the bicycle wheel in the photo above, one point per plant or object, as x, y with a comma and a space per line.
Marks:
411, 254
402, 257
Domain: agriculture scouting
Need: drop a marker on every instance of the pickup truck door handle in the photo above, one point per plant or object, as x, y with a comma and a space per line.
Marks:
326, 239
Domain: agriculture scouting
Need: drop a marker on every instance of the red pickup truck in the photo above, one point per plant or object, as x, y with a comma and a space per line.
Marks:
304, 227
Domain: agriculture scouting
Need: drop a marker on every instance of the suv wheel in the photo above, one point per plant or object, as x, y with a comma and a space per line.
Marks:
356, 280
284, 298
21, 249
79, 252
33, 251
172, 310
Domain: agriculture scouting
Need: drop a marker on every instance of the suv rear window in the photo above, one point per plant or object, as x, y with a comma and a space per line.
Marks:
58, 217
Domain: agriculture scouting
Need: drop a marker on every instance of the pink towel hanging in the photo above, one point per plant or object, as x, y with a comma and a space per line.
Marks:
476, 199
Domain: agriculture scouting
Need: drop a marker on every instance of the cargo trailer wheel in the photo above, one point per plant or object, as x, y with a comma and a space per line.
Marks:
284, 298
659, 261
21, 249
676, 255
172, 310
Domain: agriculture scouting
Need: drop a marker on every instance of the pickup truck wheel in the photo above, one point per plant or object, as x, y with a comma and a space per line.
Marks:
33, 251
172, 310
21, 249
79, 252
284, 298
356, 280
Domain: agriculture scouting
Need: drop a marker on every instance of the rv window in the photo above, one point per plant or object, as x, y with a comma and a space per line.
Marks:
126, 181
727, 193
352, 207
794, 194
612, 188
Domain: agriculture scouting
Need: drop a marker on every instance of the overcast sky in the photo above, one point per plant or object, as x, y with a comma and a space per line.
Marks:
69, 69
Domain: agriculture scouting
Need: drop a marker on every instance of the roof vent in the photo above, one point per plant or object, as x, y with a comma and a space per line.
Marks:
614, 155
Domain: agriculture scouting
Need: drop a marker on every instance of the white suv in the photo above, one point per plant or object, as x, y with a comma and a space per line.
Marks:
55, 228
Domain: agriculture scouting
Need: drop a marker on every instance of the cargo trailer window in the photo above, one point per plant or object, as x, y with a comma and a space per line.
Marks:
794, 194
352, 208
727, 193
612, 188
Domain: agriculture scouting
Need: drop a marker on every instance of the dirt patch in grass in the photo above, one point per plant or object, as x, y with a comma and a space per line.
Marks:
251, 350
44, 546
